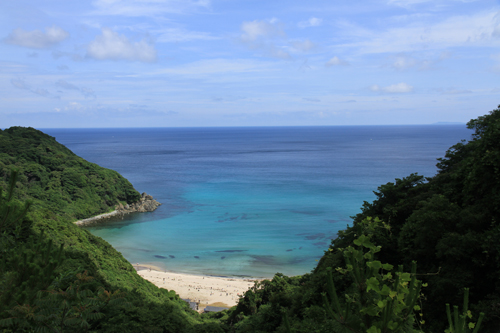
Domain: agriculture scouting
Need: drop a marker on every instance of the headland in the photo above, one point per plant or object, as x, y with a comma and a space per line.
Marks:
145, 204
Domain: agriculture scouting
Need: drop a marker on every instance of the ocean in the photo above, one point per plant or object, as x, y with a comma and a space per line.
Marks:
251, 201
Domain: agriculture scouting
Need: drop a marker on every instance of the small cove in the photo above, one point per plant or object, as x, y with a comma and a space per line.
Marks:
251, 201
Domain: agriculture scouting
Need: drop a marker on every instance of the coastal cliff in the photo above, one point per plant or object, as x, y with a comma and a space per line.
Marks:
145, 204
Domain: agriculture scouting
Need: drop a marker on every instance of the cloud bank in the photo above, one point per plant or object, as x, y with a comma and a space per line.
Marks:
37, 39
112, 46
393, 89
335, 61
256, 29
262, 35
312, 22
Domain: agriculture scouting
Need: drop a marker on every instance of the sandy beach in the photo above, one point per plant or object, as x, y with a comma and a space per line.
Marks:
207, 290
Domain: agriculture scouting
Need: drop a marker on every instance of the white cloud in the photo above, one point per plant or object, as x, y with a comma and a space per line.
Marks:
254, 30
279, 53
304, 46
403, 61
406, 3
411, 3
216, 66
37, 39
335, 61
14, 68
136, 8
113, 46
113, 112
457, 31
312, 22
393, 89
74, 106
181, 35
261, 35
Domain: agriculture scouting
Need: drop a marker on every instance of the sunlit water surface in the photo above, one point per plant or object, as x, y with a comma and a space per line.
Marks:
251, 201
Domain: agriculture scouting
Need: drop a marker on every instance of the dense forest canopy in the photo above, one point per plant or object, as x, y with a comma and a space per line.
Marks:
61, 184
422, 243
48, 265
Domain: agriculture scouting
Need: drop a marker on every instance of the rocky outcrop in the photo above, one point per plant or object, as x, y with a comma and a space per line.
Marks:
145, 204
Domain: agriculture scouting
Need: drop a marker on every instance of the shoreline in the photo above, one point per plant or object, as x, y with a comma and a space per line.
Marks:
145, 204
97, 218
206, 290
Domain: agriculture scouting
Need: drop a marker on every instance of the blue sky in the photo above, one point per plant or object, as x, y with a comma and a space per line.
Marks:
163, 63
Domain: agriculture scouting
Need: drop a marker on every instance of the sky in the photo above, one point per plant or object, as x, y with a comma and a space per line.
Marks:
190, 63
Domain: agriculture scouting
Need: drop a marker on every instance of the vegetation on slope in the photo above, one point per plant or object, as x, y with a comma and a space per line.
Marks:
62, 185
44, 256
447, 224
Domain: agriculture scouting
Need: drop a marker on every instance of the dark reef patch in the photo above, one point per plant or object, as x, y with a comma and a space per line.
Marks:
264, 259
227, 218
232, 251
318, 236
305, 212
313, 237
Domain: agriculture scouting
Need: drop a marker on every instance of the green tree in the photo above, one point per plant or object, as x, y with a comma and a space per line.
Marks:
381, 299
75, 309
28, 261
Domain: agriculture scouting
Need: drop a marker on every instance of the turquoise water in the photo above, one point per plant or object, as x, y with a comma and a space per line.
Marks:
251, 201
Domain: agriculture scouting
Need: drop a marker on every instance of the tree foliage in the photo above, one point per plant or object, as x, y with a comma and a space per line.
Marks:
43, 254
60, 184
383, 299
448, 224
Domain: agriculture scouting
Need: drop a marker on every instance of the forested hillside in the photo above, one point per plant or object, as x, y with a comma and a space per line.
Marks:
55, 276
447, 224
422, 243
61, 184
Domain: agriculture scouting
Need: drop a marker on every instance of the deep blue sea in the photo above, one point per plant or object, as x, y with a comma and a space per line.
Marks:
251, 201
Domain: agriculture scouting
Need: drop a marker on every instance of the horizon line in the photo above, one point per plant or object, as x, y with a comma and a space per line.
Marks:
442, 123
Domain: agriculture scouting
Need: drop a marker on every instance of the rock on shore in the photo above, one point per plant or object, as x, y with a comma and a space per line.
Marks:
145, 204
